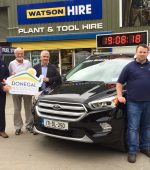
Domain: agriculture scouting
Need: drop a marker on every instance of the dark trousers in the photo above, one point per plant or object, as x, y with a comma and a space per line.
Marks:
2, 111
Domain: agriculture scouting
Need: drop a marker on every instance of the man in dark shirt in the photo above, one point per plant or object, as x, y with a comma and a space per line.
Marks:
48, 70
51, 77
136, 75
4, 73
138, 13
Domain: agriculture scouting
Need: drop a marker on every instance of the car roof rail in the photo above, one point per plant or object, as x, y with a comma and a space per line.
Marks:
102, 54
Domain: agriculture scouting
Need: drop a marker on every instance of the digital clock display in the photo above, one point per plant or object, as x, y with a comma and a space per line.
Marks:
122, 39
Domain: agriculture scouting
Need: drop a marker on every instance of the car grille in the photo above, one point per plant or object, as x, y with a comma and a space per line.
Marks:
61, 110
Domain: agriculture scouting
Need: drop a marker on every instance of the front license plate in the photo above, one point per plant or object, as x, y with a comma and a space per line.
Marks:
55, 124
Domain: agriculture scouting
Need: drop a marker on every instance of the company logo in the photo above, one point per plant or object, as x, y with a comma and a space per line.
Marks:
46, 12
56, 107
25, 82
62, 11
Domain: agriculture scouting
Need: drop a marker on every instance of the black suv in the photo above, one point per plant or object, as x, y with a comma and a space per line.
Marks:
84, 107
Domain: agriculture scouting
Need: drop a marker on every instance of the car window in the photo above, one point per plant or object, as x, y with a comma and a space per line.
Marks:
98, 70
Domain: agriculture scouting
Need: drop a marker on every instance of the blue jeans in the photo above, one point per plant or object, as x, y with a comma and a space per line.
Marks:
138, 129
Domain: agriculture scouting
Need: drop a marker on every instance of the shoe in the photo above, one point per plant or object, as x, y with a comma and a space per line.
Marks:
4, 135
35, 133
146, 152
132, 158
18, 132
29, 129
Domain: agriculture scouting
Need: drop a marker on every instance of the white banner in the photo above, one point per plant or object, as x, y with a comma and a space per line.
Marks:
25, 82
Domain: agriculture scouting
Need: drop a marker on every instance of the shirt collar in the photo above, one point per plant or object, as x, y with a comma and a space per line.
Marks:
44, 65
143, 63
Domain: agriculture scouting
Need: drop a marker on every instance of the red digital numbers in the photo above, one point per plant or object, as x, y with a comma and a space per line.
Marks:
122, 39
136, 38
117, 39
110, 40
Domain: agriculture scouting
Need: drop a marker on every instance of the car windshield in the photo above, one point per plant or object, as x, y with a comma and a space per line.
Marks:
98, 70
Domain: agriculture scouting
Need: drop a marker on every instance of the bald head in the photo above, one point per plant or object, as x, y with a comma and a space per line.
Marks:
18, 50
19, 54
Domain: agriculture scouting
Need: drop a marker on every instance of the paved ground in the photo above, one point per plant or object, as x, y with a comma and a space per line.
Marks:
29, 152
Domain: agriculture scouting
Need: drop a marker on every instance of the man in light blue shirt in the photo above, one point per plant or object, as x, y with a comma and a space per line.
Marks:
44, 73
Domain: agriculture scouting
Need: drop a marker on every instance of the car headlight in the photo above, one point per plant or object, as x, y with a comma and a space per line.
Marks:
109, 102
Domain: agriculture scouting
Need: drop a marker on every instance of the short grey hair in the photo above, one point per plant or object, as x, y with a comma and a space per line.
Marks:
45, 51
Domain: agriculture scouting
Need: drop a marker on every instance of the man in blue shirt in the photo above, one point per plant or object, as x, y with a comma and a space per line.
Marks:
136, 75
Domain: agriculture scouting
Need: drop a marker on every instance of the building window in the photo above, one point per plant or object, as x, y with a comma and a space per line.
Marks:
81, 54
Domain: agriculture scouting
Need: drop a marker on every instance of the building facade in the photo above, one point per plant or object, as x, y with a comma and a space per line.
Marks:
68, 28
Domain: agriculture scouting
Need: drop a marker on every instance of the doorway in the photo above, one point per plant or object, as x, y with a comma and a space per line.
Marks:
66, 60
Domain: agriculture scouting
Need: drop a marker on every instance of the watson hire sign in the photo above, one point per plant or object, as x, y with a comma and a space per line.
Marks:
74, 10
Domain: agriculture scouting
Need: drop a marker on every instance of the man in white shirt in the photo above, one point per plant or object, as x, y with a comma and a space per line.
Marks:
16, 66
